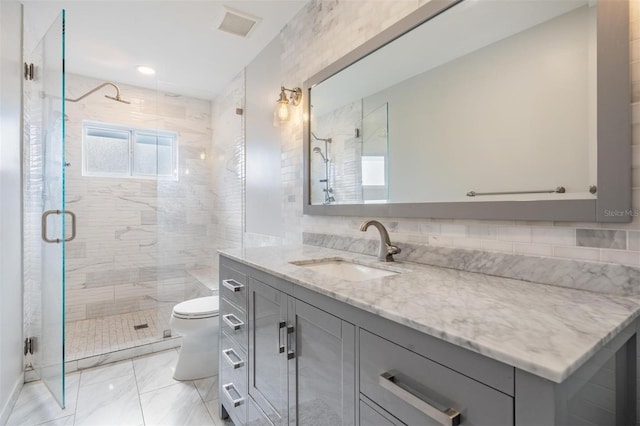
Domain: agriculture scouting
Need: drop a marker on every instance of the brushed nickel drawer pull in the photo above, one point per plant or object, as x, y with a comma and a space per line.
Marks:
281, 325
444, 416
232, 321
233, 285
290, 352
236, 402
227, 356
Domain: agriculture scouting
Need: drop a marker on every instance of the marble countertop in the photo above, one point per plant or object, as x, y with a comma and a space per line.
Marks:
546, 330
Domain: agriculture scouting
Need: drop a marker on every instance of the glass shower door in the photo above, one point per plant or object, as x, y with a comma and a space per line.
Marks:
45, 214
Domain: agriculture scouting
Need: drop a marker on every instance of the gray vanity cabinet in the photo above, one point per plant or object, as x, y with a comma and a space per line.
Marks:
292, 356
301, 361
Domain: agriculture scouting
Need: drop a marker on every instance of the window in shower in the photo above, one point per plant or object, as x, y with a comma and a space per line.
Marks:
111, 150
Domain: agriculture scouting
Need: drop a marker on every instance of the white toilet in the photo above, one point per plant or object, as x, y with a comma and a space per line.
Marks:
196, 320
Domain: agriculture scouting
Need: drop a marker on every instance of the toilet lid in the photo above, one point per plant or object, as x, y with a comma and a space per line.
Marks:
202, 307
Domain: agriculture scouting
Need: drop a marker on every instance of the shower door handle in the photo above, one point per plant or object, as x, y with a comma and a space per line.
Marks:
46, 214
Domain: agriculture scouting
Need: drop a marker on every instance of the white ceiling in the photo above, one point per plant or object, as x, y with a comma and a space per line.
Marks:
180, 39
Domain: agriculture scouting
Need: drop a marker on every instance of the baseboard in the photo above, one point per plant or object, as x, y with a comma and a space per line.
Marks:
6, 410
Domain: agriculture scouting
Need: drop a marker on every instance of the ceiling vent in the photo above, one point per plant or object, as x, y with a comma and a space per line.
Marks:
238, 23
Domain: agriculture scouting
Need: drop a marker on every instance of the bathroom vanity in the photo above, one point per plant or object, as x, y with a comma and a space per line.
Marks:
318, 336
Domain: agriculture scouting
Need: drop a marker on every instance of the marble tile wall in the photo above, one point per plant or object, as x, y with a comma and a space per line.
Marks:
138, 238
324, 31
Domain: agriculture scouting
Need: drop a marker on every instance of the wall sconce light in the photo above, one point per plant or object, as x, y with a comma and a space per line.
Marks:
283, 109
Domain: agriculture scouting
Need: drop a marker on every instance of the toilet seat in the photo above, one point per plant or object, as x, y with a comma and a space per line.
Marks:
202, 307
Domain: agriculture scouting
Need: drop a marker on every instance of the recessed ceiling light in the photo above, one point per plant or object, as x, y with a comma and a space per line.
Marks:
143, 69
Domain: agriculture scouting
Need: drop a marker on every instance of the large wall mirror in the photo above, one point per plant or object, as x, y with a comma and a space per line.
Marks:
480, 109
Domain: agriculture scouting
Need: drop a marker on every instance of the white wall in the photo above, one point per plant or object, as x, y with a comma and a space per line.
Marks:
11, 368
488, 122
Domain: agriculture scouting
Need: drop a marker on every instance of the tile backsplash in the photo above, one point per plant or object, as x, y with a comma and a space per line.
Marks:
324, 31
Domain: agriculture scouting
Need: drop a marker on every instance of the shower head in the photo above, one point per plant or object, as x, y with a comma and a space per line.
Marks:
327, 140
117, 98
317, 150
108, 83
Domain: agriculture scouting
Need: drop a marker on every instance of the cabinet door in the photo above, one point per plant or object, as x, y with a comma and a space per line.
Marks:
267, 361
322, 371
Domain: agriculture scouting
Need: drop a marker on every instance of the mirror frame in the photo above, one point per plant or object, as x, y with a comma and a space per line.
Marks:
613, 135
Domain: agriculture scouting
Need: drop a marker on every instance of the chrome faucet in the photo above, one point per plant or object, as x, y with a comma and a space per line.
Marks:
386, 250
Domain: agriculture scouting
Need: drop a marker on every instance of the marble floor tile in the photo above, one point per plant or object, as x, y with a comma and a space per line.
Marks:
109, 402
178, 404
35, 405
64, 421
155, 371
213, 407
207, 388
113, 395
106, 372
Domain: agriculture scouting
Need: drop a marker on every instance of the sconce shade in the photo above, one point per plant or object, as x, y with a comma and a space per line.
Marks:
283, 109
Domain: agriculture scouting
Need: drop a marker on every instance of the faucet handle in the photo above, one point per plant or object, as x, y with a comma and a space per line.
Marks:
391, 249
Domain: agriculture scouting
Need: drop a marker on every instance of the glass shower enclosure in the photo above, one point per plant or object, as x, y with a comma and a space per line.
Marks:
45, 227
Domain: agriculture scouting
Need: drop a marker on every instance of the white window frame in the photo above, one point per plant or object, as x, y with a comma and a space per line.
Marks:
132, 132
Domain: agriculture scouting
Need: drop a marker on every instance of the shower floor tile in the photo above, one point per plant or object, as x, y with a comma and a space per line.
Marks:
96, 336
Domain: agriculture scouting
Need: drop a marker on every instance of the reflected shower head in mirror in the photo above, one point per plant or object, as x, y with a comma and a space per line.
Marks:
317, 150
327, 140
108, 83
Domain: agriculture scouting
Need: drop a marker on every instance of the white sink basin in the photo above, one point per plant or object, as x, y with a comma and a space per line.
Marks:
345, 269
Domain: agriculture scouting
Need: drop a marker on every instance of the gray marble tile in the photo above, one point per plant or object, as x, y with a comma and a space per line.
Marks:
121, 306
106, 372
35, 405
109, 402
601, 238
178, 404
75, 250
114, 356
155, 371
112, 277
634, 240
599, 277
207, 388
213, 407
64, 421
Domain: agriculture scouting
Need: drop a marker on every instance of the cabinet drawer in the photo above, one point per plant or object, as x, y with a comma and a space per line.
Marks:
400, 380
233, 322
233, 364
370, 417
234, 402
233, 286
